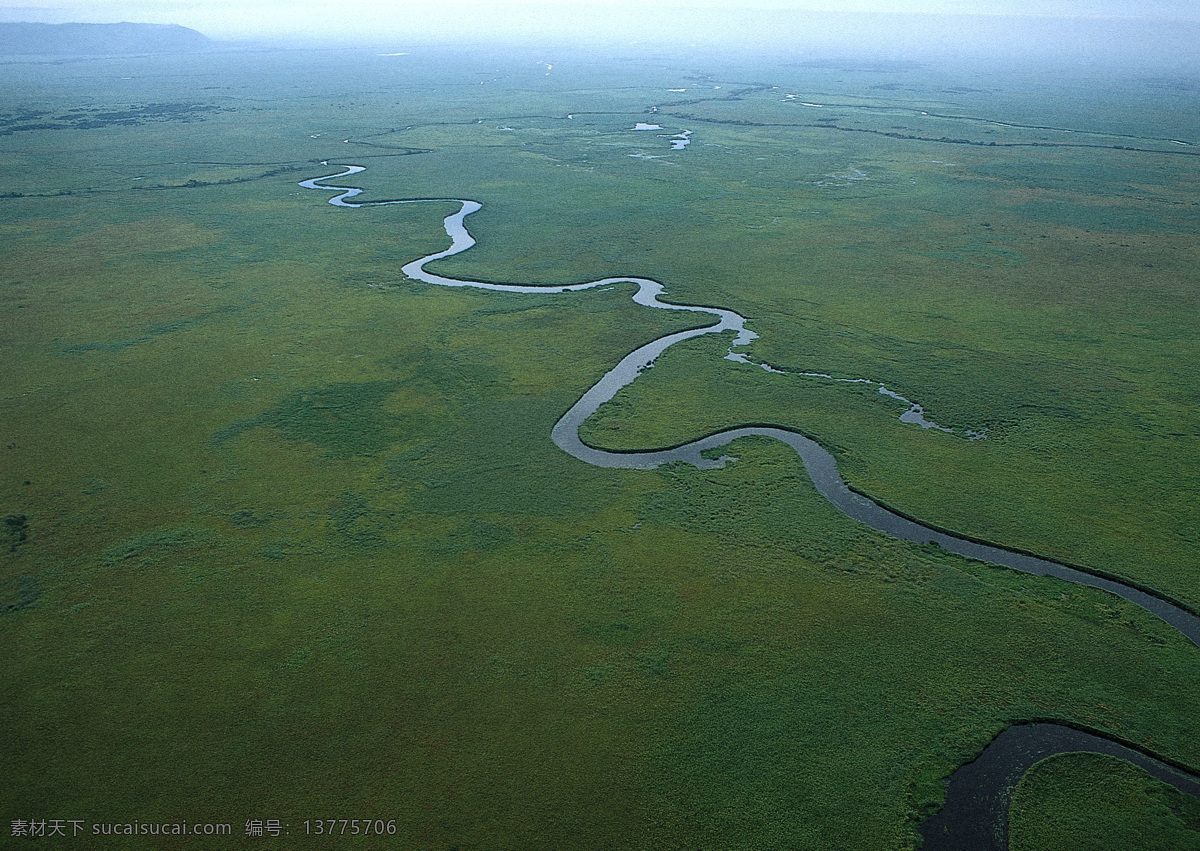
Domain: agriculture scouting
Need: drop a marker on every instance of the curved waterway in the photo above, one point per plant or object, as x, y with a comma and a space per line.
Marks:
975, 816
821, 467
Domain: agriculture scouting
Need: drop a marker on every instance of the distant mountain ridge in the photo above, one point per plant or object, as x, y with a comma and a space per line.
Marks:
21, 39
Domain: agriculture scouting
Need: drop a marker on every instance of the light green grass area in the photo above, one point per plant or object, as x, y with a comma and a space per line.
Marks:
1087, 800
286, 535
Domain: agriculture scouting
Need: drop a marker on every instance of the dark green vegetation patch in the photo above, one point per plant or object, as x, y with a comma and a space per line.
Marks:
92, 118
16, 530
344, 419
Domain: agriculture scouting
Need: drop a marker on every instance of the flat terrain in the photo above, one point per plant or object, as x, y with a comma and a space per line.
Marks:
287, 537
1087, 800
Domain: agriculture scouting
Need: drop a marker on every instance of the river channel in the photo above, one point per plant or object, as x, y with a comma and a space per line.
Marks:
975, 815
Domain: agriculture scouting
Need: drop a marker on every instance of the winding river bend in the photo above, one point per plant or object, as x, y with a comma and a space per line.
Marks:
978, 794
967, 800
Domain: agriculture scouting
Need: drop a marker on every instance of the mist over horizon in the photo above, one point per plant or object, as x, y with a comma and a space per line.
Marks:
1088, 34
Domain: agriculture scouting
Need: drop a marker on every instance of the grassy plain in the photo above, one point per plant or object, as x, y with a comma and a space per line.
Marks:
1092, 801
296, 544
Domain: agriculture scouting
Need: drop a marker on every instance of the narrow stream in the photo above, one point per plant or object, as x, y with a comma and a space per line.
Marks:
968, 790
975, 817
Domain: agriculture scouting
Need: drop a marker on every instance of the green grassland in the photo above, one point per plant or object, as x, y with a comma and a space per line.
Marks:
287, 536
1087, 800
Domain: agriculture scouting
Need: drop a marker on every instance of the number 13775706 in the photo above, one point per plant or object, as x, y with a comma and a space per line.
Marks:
349, 827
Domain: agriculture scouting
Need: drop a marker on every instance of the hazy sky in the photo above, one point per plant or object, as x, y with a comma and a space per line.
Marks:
676, 20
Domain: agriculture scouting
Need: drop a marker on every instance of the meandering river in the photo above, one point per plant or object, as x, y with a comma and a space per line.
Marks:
974, 796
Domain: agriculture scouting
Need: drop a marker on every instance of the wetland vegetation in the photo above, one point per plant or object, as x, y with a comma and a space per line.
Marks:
287, 536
